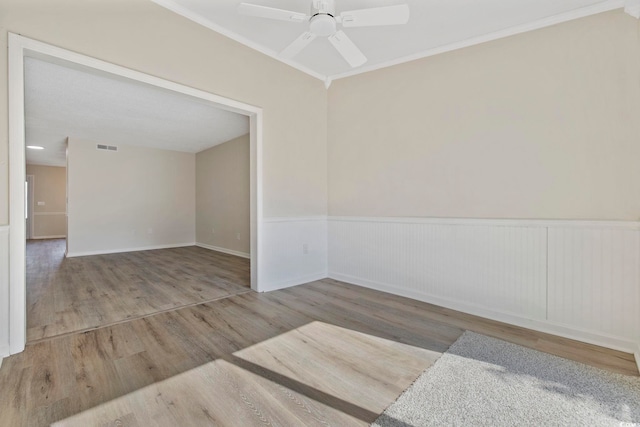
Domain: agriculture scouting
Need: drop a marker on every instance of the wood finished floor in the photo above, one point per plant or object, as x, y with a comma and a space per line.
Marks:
324, 353
66, 295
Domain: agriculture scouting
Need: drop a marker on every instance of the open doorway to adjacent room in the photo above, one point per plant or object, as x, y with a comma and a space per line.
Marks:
139, 199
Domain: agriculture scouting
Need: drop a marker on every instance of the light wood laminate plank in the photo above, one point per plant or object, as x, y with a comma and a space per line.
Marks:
79, 294
324, 353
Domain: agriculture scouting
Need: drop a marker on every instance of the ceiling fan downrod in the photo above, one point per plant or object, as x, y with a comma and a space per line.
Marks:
323, 22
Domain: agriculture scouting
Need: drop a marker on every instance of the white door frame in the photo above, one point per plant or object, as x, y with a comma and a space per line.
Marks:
29, 205
21, 47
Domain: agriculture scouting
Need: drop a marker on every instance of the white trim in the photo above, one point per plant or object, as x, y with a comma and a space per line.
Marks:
4, 290
545, 22
17, 173
494, 222
301, 280
632, 7
295, 219
223, 250
636, 355
199, 19
19, 47
256, 202
36, 49
48, 213
31, 183
123, 250
609, 341
62, 236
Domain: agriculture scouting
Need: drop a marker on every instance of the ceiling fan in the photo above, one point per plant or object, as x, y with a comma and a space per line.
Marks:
323, 22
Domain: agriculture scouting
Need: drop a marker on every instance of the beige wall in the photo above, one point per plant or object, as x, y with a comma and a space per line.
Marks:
50, 187
537, 125
130, 199
222, 196
544, 124
146, 37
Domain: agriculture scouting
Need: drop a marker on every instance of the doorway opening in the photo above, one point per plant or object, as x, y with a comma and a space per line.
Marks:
21, 48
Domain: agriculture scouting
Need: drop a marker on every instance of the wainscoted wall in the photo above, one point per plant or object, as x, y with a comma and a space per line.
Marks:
593, 279
572, 278
4, 291
49, 225
49, 219
294, 251
578, 279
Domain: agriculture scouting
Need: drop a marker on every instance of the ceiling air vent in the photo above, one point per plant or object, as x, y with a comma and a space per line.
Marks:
107, 147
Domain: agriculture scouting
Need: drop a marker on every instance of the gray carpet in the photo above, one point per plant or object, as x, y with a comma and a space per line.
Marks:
482, 381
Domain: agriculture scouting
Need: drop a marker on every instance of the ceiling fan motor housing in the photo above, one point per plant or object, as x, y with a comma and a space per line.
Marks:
322, 22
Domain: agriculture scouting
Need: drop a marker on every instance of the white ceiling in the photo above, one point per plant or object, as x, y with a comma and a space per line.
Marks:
434, 26
62, 102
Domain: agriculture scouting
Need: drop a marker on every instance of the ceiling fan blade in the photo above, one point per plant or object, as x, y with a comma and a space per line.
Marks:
271, 13
347, 49
388, 15
298, 44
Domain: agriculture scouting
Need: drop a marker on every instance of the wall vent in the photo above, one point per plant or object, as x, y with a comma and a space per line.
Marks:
107, 147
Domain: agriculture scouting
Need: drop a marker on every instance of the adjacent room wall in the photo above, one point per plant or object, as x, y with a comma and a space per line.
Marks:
49, 187
538, 125
222, 197
135, 198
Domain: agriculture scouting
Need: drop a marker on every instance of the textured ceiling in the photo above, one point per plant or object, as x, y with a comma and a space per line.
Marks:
62, 102
434, 26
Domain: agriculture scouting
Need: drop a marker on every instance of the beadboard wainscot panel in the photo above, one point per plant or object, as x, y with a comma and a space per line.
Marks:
497, 268
594, 281
539, 274
4, 291
294, 251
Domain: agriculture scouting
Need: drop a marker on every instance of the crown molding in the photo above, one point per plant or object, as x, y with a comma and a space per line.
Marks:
535, 25
632, 7
199, 19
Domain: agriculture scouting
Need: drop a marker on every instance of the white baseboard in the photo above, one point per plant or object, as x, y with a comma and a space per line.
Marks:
117, 251
301, 280
224, 250
47, 237
637, 356
612, 342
